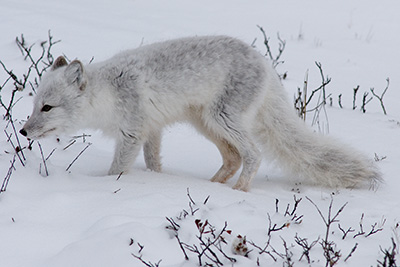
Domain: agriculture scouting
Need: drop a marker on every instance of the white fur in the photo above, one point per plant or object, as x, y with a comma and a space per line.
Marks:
222, 86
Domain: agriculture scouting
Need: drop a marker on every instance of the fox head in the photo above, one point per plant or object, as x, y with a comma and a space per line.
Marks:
59, 100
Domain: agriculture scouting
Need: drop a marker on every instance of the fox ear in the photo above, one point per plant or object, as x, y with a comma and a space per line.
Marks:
75, 74
60, 61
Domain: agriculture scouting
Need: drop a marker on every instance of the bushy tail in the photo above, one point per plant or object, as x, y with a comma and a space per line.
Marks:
306, 154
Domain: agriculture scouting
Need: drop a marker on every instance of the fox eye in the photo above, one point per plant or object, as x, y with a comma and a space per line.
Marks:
46, 108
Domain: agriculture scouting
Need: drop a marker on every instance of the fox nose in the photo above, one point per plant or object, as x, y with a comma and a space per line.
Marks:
23, 132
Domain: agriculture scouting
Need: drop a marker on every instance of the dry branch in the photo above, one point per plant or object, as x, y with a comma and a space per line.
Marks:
380, 98
38, 65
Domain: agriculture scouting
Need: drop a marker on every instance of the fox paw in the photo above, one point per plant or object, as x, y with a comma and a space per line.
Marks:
241, 187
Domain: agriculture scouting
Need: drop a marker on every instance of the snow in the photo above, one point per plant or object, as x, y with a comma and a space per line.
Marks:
85, 218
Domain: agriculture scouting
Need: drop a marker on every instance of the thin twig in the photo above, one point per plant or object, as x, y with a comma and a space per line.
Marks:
70, 144
15, 149
355, 90
264, 250
51, 153
181, 246
148, 264
380, 98
351, 252
16, 138
43, 159
340, 100
282, 44
332, 255
302, 242
190, 197
8, 176
80, 153
365, 101
345, 232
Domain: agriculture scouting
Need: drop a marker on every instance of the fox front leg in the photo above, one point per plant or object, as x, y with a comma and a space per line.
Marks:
151, 149
126, 150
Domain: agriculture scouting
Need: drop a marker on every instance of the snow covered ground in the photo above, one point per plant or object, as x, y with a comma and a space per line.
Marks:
84, 218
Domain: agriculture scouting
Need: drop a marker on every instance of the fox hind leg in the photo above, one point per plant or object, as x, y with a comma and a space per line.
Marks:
251, 158
235, 146
231, 161
231, 128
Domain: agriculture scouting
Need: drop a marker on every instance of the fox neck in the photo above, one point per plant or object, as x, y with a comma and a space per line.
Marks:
99, 105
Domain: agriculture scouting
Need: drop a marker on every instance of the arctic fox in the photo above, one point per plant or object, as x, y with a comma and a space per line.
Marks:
222, 86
